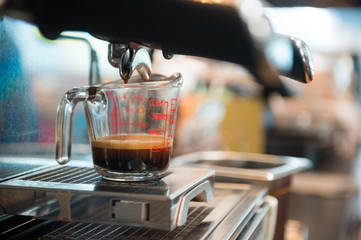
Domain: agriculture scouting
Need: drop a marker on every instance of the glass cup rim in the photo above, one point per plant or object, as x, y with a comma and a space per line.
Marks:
155, 81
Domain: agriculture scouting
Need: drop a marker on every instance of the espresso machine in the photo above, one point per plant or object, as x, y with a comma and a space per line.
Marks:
45, 200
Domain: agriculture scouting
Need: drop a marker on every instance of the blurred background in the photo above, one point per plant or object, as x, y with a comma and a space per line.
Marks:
221, 106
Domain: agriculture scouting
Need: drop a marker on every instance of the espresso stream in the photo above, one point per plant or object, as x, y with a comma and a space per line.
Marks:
130, 153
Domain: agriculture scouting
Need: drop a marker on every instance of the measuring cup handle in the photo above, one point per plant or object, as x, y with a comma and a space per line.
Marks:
64, 120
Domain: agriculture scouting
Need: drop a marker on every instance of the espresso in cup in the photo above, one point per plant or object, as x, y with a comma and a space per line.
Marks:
130, 153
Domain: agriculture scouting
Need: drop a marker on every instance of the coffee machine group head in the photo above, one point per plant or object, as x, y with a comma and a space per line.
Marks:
232, 31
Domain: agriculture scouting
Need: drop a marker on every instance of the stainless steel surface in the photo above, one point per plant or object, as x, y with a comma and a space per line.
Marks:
259, 221
239, 165
115, 51
246, 227
239, 204
78, 193
273, 172
296, 230
326, 203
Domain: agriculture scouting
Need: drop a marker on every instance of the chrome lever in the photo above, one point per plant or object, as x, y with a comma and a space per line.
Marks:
306, 57
299, 65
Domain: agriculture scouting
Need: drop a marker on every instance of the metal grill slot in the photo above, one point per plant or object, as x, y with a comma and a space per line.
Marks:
135, 232
93, 177
89, 231
79, 175
104, 231
75, 173
12, 169
72, 171
84, 173
112, 231
116, 233
44, 175
195, 216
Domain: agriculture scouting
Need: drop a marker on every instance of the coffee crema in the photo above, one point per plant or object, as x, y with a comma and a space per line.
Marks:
130, 153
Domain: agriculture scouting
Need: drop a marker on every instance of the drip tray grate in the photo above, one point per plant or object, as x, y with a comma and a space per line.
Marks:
66, 174
104, 231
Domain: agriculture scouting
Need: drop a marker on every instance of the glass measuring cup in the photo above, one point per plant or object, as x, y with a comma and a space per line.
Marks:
130, 126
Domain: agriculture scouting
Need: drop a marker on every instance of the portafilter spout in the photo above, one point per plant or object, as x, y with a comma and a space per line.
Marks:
128, 59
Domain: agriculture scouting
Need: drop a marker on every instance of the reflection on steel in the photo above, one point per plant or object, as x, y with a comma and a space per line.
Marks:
237, 165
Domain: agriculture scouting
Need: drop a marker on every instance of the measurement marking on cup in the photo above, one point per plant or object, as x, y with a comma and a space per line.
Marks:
155, 131
128, 116
165, 127
160, 116
157, 102
168, 117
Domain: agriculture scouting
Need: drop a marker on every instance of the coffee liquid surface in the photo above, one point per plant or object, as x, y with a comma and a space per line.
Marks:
130, 153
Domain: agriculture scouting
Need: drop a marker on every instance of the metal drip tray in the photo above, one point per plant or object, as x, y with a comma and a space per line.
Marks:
240, 166
235, 210
78, 193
